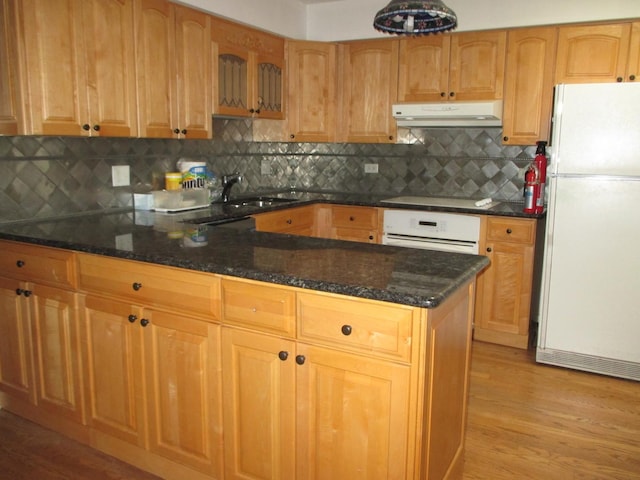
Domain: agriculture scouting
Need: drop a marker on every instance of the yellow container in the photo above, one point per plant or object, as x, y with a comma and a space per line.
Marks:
173, 180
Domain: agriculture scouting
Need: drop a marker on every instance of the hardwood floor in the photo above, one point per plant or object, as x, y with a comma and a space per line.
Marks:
526, 421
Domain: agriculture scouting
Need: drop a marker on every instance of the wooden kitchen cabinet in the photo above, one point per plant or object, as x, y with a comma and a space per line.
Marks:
10, 111
39, 357
528, 91
151, 362
249, 71
174, 74
294, 221
358, 224
369, 86
461, 66
74, 65
598, 53
503, 301
312, 84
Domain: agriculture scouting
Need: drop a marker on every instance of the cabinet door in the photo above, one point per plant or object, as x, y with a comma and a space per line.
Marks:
113, 369
369, 87
157, 79
53, 46
16, 376
269, 86
528, 93
108, 43
183, 387
193, 44
56, 351
593, 53
476, 70
633, 66
312, 91
424, 68
259, 405
352, 416
10, 110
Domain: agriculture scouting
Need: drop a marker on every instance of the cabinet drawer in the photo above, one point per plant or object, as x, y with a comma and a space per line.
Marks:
291, 219
356, 325
354, 217
151, 285
511, 230
259, 306
38, 264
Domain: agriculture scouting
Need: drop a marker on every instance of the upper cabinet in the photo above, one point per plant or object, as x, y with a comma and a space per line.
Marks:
528, 92
174, 75
248, 71
9, 102
369, 86
460, 66
312, 101
71, 68
598, 53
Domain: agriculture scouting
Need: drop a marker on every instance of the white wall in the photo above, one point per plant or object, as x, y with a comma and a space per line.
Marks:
353, 19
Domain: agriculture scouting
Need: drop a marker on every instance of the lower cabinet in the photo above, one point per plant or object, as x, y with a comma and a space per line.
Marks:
294, 221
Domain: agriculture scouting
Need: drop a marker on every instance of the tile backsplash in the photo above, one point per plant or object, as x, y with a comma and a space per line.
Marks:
51, 176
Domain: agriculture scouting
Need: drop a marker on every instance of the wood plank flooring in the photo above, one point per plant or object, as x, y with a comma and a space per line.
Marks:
526, 421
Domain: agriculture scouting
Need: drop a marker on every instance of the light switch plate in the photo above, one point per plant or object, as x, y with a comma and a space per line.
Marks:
120, 175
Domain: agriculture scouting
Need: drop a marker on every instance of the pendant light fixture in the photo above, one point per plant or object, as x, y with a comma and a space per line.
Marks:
406, 17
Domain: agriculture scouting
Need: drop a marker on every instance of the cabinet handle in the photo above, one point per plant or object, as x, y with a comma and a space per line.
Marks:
176, 131
86, 127
96, 128
289, 221
632, 77
300, 359
442, 94
509, 231
346, 330
283, 355
292, 136
27, 293
489, 249
184, 131
390, 137
132, 318
351, 219
19, 291
370, 237
144, 322
505, 139
136, 286
619, 79
452, 94
20, 263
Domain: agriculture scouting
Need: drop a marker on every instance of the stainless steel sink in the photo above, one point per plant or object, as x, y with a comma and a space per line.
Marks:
257, 202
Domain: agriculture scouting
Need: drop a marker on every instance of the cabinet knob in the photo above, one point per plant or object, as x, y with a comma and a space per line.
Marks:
370, 237
509, 231
619, 79
292, 136
184, 131
96, 128
27, 293
176, 131
505, 139
632, 77
300, 359
452, 94
20, 263
352, 218
489, 249
346, 330
18, 291
132, 318
283, 355
144, 322
136, 286
390, 137
442, 94
289, 221
254, 110
86, 127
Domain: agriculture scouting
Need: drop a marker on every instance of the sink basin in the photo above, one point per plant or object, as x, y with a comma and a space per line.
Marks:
257, 202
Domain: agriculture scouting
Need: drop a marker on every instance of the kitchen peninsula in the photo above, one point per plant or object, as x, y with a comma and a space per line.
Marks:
229, 352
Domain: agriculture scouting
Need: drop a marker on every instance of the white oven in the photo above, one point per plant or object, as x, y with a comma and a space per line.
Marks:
449, 232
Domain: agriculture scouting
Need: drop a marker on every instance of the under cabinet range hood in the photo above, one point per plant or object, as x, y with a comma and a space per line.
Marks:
449, 114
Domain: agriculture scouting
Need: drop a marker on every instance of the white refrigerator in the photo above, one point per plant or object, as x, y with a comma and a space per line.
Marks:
590, 292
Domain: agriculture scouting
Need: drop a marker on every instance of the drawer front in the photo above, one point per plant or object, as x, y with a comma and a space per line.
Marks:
356, 325
258, 306
46, 265
286, 220
511, 230
151, 285
354, 217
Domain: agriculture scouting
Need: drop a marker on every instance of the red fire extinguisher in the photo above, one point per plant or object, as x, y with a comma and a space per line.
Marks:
531, 188
541, 164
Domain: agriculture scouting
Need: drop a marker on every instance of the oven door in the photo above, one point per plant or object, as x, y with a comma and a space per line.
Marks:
429, 243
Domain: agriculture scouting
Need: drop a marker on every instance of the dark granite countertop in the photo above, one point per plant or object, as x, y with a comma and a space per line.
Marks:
422, 278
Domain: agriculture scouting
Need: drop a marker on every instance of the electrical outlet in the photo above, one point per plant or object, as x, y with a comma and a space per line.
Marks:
120, 175
370, 168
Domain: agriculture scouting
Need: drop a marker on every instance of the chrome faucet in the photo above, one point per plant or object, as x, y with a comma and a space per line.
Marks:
229, 181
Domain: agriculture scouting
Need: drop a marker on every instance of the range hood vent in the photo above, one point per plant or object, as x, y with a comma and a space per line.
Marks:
449, 114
